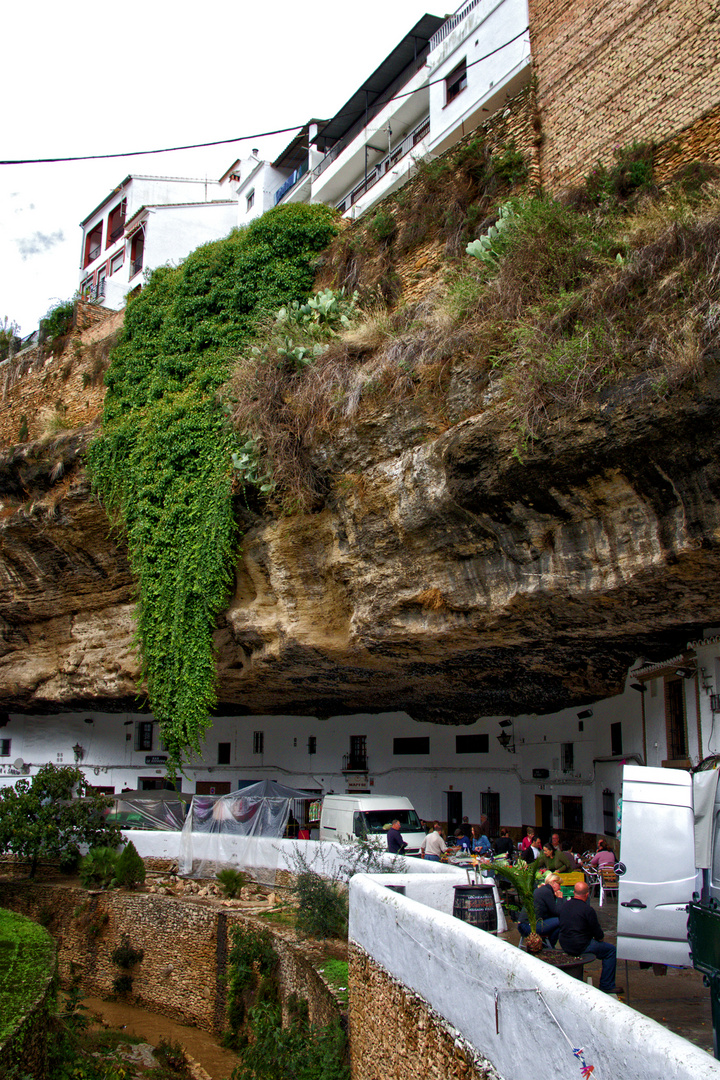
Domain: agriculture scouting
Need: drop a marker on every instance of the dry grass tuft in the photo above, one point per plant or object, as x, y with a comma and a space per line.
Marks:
431, 599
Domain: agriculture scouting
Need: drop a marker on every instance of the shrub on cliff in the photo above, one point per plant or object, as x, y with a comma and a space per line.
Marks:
129, 868
163, 463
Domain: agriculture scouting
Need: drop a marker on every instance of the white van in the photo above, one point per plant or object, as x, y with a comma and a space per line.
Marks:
670, 832
347, 817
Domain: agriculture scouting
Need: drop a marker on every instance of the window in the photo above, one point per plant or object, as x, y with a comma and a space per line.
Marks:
250, 201
143, 735
93, 244
223, 753
677, 744
117, 261
137, 251
567, 756
416, 744
5, 747
155, 783
258, 742
609, 825
312, 744
116, 223
490, 806
472, 744
100, 286
616, 739
88, 286
455, 82
356, 760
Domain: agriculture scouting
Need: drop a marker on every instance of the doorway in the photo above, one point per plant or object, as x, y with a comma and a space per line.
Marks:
490, 806
543, 815
454, 810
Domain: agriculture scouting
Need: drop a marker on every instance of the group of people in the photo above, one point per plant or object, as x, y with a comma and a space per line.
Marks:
470, 839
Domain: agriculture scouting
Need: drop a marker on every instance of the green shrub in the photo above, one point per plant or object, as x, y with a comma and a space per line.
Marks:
125, 956
632, 171
130, 868
231, 881
162, 464
57, 323
98, 867
252, 961
322, 906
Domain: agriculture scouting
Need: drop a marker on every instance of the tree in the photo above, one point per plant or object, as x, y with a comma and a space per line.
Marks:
10, 340
49, 816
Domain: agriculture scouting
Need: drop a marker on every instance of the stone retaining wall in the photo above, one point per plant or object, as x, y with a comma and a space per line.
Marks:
395, 1035
27, 1044
185, 942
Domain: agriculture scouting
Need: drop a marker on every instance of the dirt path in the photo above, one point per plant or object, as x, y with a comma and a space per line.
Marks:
217, 1062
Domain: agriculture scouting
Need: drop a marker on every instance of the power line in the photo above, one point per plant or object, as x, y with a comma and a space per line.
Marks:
257, 135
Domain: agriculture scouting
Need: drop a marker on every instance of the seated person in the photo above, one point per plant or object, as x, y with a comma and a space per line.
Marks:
461, 842
534, 851
569, 860
503, 845
547, 899
605, 855
580, 932
479, 844
550, 860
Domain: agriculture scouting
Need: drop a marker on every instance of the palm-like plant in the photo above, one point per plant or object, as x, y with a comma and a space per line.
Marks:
523, 879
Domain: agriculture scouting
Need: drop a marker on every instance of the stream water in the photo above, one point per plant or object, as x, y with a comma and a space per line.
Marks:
217, 1062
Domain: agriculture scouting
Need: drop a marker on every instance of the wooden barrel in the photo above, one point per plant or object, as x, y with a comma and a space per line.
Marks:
475, 904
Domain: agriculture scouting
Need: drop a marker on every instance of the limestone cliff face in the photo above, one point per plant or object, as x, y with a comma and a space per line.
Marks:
447, 578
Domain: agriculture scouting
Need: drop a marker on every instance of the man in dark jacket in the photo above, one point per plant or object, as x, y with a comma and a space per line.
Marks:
580, 932
395, 842
546, 898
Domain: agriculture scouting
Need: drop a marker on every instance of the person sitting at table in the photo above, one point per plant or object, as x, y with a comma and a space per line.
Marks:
580, 932
479, 844
546, 898
433, 846
465, 828
527, 839
555, 838
460, 843
550, 860
569, 859
605, 855
534, 851
503, 845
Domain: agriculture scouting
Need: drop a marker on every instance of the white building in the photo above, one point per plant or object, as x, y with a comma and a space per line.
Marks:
146, 222
561, 770
439, 83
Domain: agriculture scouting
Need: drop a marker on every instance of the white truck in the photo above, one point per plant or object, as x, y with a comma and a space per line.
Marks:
669, 849
347, 817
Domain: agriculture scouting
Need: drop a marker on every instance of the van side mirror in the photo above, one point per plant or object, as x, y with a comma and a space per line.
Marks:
620, 868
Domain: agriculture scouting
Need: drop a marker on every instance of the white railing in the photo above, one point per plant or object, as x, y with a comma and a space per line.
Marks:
449, 25
385, 165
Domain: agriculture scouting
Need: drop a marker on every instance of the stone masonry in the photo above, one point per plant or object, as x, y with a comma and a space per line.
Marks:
612, 74
395, 1035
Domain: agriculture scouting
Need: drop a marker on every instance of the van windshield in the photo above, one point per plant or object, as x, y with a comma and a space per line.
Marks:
379, 821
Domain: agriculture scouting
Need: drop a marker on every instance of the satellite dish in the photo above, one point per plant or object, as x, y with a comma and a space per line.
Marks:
18, 764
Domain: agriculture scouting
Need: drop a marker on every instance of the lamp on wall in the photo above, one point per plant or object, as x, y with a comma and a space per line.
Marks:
506, 740
78, 751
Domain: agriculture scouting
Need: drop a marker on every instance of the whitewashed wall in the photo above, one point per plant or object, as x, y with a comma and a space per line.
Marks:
490, 82
458, 970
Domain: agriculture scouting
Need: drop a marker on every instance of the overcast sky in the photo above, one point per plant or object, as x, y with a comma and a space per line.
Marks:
105, 78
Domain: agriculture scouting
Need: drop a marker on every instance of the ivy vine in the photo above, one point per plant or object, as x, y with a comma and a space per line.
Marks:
163, 461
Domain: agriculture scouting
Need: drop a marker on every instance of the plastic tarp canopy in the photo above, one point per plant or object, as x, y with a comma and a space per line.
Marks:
225, 830
159, 809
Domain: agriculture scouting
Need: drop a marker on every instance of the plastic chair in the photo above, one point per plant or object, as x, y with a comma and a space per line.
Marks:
592, 877
609, 882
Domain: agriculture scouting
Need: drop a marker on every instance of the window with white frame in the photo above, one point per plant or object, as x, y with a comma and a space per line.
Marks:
258, 742
250, 201
456, 82
143, 735
117, 261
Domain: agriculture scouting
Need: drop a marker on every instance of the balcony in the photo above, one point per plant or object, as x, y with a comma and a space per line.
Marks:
291, 182
449, 25
93, 253
354, 763
136, 266
388, 162
117, 233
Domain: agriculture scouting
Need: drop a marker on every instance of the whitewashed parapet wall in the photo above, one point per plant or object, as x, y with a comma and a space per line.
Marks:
457, 969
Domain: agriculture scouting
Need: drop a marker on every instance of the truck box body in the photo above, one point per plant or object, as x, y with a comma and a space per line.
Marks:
349, 817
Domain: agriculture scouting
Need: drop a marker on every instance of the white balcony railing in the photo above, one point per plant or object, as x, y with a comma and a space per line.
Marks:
449, 25
386, 164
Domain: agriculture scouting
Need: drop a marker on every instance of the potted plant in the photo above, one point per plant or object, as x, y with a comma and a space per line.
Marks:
522, 878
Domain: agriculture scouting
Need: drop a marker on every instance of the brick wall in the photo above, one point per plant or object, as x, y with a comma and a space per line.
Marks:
610, 74
395, 1035
183, 973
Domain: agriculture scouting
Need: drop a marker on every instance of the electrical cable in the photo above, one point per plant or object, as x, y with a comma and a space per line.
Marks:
247, 138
